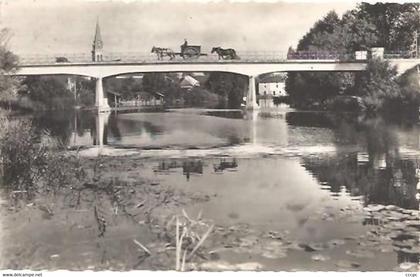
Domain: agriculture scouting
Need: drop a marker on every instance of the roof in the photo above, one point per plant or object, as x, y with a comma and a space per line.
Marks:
145, 94
114, 93
189, 81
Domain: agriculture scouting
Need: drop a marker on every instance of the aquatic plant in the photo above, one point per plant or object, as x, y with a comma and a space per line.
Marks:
190, 234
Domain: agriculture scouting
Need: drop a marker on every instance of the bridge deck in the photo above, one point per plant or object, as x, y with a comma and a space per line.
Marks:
250, 63
181, 62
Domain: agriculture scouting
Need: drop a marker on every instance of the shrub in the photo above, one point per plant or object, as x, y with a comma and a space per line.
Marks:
22, 160
31, 163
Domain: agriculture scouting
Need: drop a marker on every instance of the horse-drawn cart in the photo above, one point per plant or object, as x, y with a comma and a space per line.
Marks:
188, 52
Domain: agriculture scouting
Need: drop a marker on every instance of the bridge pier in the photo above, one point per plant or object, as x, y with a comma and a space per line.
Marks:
101, 102
251, 98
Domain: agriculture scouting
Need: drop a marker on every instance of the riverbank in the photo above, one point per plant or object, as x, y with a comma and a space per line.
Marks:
95, 224
121, 217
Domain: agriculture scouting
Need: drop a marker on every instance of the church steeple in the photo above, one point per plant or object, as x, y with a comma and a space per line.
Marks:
97, 45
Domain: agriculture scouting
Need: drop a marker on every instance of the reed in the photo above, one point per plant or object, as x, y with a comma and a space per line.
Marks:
188, 230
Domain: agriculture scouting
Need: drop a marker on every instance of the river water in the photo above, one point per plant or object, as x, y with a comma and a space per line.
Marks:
341, 189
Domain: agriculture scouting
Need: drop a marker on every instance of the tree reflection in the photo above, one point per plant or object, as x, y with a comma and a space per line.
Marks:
380, 173
70, 128
59, 125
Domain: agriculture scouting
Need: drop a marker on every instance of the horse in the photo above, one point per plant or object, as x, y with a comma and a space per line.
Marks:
225, 53
161, 52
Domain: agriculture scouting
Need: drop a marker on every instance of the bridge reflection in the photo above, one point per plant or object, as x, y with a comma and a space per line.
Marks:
106, 128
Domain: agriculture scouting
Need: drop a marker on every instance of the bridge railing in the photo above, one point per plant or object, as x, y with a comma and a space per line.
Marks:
400, 54
142, 57
320, 55
244, 56
51, 59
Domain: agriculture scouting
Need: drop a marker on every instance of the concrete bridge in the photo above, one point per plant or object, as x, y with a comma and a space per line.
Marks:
248, 67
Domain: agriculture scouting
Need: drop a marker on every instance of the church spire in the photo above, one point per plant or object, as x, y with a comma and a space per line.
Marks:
97, 44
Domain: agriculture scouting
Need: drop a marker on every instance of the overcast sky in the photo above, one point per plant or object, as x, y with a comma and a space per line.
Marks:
67, 26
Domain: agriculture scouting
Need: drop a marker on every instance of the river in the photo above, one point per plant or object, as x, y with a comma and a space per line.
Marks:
342, 190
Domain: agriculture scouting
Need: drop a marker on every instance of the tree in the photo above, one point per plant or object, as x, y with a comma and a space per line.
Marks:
378, 86
127, 87
48, 93
409, 83
395, 23
321, 28
85, 92
154, 82
388, 25
356, 33
199, 97
8, 64
290, 52
229, 86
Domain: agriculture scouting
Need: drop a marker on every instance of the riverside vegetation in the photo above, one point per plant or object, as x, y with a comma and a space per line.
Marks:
379, 89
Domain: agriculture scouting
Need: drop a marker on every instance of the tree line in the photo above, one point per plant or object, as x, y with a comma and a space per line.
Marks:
388, 25
218, 90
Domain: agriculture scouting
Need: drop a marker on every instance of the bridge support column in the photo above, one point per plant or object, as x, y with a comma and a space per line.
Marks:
251, 98
101, 102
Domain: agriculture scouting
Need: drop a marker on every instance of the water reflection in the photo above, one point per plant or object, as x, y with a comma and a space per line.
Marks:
100, 138
190, 167
316, 196
194, 166
224, 164
163, 130
394, 183
368, 159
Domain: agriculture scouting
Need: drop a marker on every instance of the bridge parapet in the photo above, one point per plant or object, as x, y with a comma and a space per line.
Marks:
149, 58
244, 57
400, 54
141, 57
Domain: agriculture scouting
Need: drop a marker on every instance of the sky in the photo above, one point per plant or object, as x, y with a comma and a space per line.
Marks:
67, 26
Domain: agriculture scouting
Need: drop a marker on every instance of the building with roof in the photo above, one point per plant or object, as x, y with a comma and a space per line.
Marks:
188, 82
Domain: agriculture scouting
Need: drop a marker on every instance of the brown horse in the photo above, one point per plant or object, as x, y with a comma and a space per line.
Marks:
225, 54
161, 52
